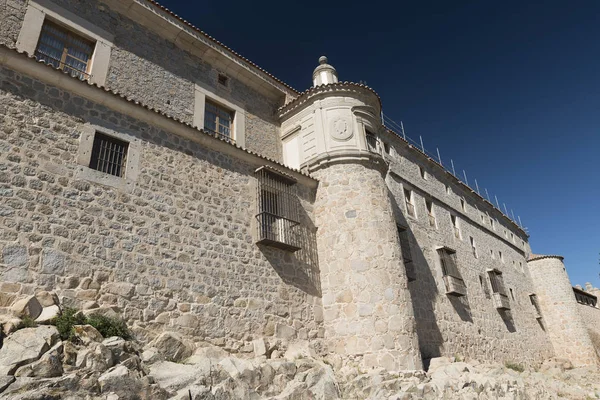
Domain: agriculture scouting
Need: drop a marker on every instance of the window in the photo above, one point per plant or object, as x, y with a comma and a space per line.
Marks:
432, 221
536, 305
473, 247
423, 172
521, 266
482, 219
512, 237
498, 290
218, 120
455, 226
448, 189
492, 223
463, 205
500, 256
484, 287
278, 210
585, 298
505, 234
492, 254
386, 148
512, 294
223, 79
64, 50
109, 155
410, 207
371, 141
453, 280
406, 253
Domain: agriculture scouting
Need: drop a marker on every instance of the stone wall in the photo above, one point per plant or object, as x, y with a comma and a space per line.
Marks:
566, 329
175, 252
591, 319
12, 13
367, 308
153, 70
468, 326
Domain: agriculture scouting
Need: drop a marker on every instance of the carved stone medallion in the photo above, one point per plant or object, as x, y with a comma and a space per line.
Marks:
341, 128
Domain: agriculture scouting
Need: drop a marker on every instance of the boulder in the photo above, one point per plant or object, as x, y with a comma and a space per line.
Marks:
299, 349
210, 352
151, 355
174, 377
48, 366
106, 311
25, 346
47, 299
120, 381
173, 346
27, 307
260, 347
96, 357
48, 314
87, 334
116, 345
9, 324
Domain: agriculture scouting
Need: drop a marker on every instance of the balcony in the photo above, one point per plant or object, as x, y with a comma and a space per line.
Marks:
455, 286
278, 232
501, 301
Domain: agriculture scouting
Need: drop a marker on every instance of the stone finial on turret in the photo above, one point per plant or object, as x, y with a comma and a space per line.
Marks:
324, 74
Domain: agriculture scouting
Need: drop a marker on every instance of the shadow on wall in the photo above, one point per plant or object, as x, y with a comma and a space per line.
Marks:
299, 269
507, 318
423, 292
462, 307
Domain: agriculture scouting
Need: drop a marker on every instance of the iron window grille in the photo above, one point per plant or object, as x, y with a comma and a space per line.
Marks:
455, 284
371, 141
278, 210
109, 155
64, 50
497, 282
406, 253
218, 120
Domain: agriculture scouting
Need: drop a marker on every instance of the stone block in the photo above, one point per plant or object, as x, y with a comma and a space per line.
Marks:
27, 307
48, 314
283, 331
122, 289
15, 256
47, 299
53, 262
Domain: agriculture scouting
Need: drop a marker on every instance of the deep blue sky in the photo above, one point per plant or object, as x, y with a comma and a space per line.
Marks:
509, 91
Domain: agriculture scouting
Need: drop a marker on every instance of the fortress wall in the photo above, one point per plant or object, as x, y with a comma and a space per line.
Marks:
173, 251
468, 326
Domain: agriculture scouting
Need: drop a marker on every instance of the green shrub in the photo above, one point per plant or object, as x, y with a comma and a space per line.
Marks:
27, 322
514, 366
109, 326
65, 321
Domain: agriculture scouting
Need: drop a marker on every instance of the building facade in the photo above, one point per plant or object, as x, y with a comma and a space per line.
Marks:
147, 168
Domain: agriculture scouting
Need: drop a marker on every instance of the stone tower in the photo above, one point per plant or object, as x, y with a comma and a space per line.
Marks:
566, 329
331, 131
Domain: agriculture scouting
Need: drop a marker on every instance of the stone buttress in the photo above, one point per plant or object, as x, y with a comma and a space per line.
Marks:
331, 132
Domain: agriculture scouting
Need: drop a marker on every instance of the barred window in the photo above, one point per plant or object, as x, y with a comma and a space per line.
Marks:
497, 282
406, 253
109, 155
65, 50
371, 141
585, 298
218, 120
455, 284
278, 210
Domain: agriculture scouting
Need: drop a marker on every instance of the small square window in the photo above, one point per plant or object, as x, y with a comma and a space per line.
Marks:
223, 79
448, 189
109, 155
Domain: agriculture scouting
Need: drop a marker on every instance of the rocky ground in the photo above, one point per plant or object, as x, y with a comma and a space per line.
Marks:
35, 364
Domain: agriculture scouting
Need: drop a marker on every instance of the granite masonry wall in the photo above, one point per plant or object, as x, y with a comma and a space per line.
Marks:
468, 326
591, 319
566, 327
153, 70
175, 251
367, 309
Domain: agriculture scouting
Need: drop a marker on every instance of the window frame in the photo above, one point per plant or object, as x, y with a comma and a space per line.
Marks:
409, 202
84, 155
203, 95
218, 113
40, 11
